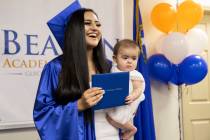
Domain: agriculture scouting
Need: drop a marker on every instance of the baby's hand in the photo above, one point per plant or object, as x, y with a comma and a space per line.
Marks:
129, 99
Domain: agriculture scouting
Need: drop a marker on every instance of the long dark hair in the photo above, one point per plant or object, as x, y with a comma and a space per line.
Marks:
74, 76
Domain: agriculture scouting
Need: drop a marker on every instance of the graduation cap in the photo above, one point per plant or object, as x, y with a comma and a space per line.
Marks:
58, 23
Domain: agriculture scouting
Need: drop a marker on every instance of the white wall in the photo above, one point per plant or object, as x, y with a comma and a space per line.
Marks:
19, 134
205, 3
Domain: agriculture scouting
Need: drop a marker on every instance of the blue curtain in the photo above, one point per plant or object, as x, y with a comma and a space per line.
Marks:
144, 118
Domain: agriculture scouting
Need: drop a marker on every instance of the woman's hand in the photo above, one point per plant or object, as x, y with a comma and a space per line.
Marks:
129, 99
90, 98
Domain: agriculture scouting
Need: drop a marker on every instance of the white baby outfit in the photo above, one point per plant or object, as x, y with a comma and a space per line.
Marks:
121, 114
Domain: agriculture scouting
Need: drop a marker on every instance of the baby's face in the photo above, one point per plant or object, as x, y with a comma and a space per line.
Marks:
127, 58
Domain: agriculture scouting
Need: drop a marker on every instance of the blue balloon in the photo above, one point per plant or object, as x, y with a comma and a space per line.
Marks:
175, 78
160, 68
193, 69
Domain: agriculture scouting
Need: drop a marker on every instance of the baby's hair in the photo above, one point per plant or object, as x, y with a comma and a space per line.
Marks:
125, 43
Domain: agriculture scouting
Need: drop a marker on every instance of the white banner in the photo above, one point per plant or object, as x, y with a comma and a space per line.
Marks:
26, 44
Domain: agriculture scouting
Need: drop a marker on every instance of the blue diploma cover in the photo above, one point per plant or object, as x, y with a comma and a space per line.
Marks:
116, 87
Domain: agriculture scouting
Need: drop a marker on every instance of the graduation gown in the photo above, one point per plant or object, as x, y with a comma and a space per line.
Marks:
58, 122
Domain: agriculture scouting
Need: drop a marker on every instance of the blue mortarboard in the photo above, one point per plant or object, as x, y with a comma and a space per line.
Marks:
58, 23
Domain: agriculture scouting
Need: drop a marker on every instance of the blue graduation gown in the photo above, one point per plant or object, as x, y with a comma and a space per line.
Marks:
53, 121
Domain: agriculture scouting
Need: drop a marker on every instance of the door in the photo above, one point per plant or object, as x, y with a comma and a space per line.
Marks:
196, 99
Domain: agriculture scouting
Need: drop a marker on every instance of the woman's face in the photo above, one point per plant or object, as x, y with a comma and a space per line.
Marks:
92, 29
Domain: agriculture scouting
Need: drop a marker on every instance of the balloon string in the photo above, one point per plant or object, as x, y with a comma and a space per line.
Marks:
180, 112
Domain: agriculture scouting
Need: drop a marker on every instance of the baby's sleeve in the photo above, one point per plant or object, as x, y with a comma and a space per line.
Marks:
135, 75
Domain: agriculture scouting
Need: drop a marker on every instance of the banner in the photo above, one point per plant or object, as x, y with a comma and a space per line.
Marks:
26, 45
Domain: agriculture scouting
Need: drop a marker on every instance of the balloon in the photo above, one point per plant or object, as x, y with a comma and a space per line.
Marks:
175, 47
189, 13
197, 40
193, 69
163, 17
175, 78
160, 68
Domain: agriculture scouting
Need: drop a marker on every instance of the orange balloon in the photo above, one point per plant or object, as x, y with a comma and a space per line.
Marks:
163, 17
189, 14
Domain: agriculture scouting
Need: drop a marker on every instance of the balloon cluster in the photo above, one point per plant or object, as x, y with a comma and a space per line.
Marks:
178, 59
166, 18
192, 69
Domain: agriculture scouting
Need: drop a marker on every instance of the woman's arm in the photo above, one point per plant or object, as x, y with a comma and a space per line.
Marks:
58, 122
53, 121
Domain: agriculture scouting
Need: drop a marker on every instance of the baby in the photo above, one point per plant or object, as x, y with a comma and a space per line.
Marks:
125, 56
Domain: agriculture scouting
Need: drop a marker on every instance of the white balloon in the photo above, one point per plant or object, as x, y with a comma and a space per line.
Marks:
197, 40
175, 47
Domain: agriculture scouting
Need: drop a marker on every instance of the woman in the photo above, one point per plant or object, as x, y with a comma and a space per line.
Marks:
62, 109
